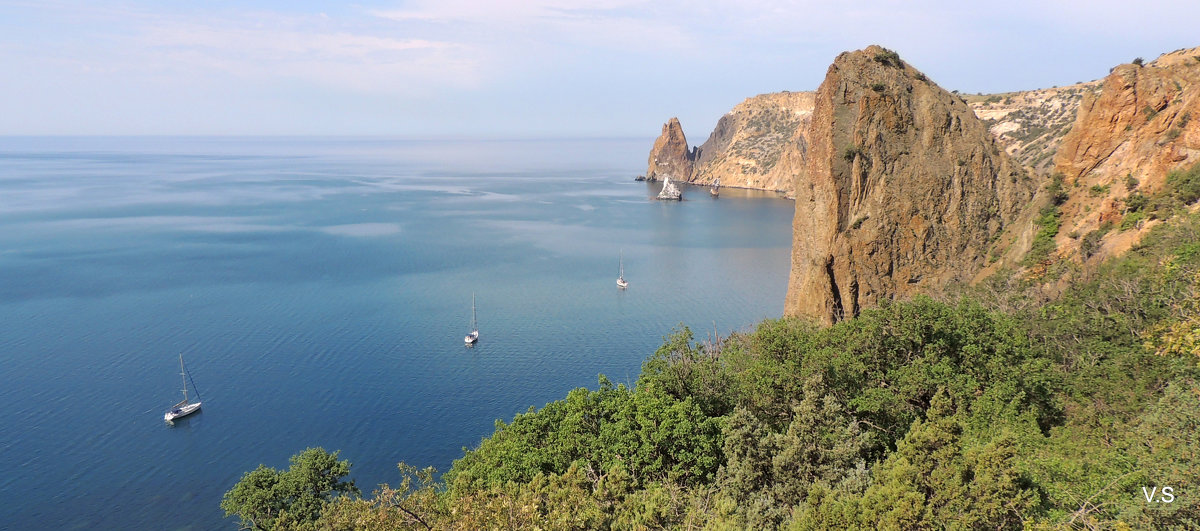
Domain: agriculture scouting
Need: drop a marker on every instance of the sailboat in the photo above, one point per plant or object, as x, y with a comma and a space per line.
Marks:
474, 335
621, 283
715, 190
184, 408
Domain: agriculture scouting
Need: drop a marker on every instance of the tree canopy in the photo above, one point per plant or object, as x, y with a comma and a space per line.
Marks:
266, 498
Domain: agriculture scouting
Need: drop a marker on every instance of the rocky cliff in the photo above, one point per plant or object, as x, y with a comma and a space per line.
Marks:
749, 143
902, 189
749, 148
670, 156
1140, 123
1031, 124
1125, 141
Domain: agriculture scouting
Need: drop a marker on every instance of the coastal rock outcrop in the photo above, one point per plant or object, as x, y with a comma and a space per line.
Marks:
749, 143
902, 189
1143, 123
759, 144
670, 156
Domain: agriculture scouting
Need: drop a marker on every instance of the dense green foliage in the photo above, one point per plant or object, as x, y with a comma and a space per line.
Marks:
266, 498
1182, 190
1185, 184
651, 434
994, 410
1048, 223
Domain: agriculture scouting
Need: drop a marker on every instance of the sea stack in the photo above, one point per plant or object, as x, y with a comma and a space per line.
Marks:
670, 156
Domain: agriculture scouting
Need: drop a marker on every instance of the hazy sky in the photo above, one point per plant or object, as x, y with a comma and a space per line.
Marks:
518, 68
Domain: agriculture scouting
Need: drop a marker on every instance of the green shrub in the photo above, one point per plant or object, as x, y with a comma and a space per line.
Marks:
1098, 190
1136, 202
1184, 185
888, 58
1138, 61
1048, 223
1131, 182
877, 87
652, 434
1090, 243
1132, 220
1058, 196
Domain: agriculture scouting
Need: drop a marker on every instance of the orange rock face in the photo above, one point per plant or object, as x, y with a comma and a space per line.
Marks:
902, 189
670, 156
1145, 122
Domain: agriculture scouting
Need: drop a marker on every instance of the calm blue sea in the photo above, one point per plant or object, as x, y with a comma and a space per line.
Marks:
319, 290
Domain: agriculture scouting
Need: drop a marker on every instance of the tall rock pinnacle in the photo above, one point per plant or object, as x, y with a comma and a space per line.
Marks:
902, 189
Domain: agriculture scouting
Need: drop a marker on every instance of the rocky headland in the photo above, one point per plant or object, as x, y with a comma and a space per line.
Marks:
758, 144
902, 187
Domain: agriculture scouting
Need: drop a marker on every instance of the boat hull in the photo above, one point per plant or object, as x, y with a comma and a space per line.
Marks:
471, 338
182, 411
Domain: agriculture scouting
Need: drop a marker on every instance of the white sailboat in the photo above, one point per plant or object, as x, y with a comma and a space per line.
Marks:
472, 337
621, 283
185, 407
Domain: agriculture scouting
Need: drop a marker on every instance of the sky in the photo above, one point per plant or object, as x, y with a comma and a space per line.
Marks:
508, 69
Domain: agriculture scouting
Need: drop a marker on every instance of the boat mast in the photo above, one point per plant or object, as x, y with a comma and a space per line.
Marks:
621, 264
183, 376
474, 323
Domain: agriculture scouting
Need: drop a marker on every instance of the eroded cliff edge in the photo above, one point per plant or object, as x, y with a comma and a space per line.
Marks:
902, 189
758, 144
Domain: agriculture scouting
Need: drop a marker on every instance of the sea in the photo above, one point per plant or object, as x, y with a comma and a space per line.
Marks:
319, 290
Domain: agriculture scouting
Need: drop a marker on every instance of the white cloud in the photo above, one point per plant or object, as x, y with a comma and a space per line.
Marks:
349, 52
622, 25
313, 49
338, 58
